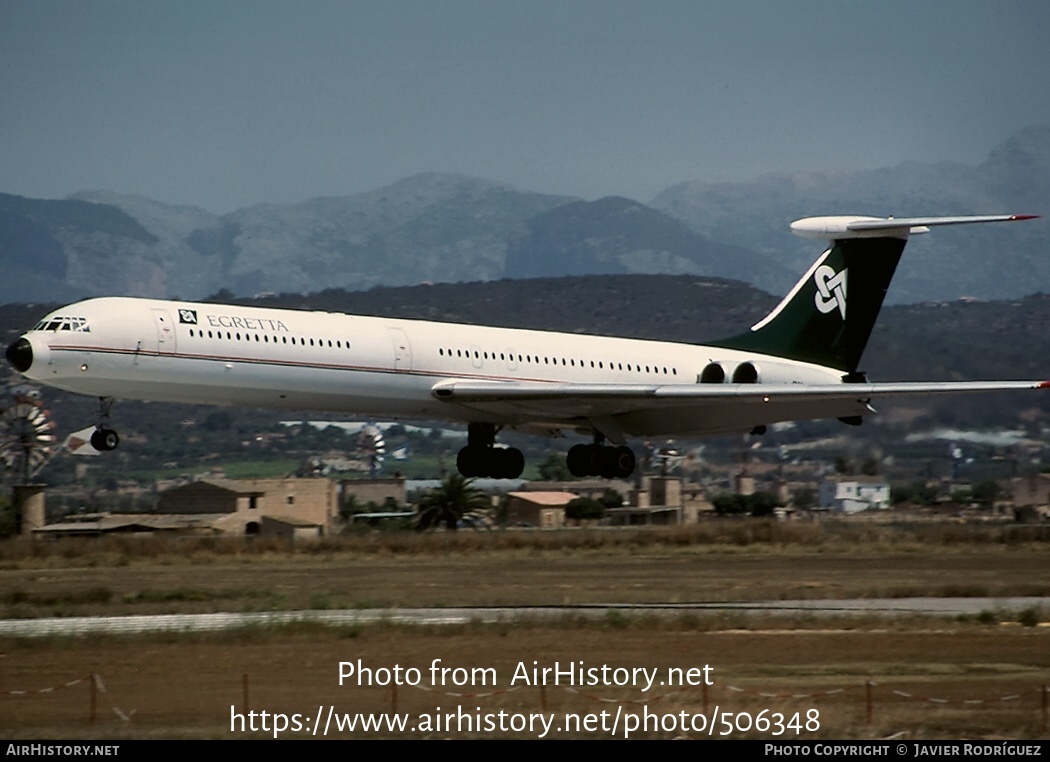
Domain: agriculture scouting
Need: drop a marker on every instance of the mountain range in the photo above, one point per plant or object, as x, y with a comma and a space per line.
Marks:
451, 228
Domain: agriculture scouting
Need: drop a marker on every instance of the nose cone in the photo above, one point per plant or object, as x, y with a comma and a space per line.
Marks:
20, 355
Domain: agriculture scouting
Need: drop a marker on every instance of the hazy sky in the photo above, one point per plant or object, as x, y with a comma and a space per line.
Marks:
226, 104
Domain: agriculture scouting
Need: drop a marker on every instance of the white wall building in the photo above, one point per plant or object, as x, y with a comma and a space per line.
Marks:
852, 494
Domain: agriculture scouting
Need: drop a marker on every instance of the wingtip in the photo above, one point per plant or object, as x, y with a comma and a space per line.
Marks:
1043, 385
1014, 217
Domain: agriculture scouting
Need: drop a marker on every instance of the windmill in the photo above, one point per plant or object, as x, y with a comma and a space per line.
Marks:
27, 437
371, 447
664, 458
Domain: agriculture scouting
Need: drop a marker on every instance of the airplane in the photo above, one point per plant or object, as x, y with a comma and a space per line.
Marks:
798, 362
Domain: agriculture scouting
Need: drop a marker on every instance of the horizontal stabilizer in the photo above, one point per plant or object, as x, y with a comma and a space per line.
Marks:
837, 228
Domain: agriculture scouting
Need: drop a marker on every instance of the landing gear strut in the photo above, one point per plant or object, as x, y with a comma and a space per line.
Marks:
606, 461
481, 458
104, 438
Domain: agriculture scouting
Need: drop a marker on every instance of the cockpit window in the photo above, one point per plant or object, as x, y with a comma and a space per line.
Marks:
76, 324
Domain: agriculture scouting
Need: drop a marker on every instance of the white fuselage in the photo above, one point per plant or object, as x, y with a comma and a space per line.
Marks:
233, 355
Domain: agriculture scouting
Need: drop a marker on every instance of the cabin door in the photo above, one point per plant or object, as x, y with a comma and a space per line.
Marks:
402, 350
165, 332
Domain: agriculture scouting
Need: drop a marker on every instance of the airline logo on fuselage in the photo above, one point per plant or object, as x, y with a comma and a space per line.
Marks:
831, 289
234, 321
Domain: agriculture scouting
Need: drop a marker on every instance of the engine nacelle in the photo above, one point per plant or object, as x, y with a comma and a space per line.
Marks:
766, 371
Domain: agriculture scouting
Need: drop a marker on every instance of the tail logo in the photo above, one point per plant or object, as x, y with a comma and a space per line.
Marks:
831, 290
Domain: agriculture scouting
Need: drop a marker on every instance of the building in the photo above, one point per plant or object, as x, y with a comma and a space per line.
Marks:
377, 491
292, 507
853, 494
97, 524
538, 509
592, 488
290, 529
661, 500
238, 506
1031, 497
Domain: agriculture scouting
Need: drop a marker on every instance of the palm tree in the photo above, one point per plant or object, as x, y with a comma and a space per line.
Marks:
449, 502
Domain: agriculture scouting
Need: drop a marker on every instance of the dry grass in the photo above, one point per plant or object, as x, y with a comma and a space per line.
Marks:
183, 686
724, 535
511, 579
128, 575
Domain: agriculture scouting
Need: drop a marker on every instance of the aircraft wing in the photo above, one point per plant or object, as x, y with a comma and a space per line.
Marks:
645, 409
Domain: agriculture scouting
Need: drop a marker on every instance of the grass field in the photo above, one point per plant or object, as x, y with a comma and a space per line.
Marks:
929, 678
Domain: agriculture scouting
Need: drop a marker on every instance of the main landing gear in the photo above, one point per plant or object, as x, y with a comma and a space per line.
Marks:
104, 438
606, 461
481, 458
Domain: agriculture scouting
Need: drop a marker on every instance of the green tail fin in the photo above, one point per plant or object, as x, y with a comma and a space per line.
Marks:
827, 317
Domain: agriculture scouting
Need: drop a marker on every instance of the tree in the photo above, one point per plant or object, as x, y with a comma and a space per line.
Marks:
449, 502
804, 498
218, 420
985, 493
919, 493
584, 508
351, 507
901, 493
758, 504
762, 503
553, 469
8, 518
729, 503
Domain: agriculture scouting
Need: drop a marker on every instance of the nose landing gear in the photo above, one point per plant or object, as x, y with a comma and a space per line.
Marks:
104, 439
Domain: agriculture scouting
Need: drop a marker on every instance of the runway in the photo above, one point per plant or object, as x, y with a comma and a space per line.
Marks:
1005, 608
